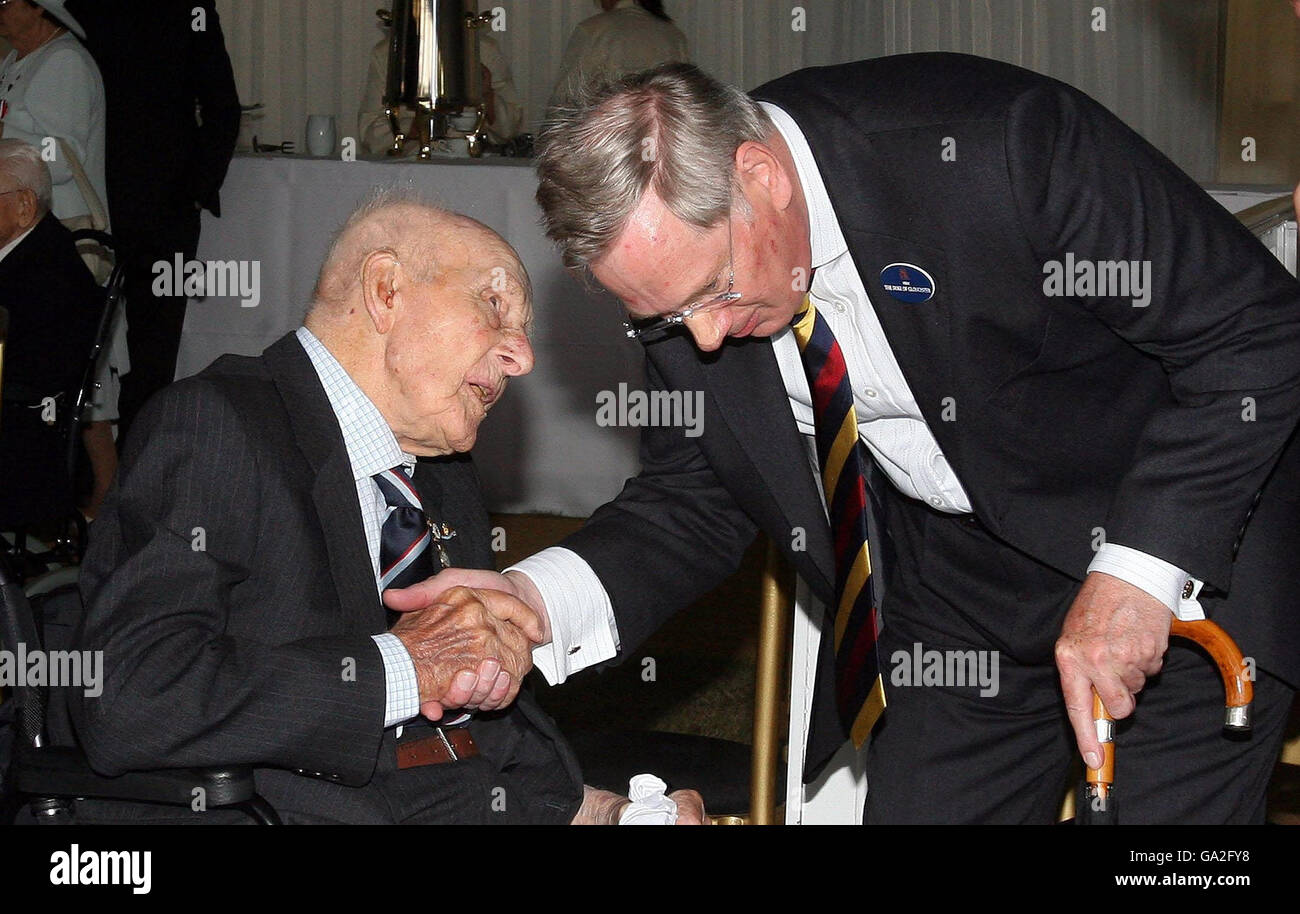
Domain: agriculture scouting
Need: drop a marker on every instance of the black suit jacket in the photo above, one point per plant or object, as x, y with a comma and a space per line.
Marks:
1159, 425
229, 586
161, 160
54, 306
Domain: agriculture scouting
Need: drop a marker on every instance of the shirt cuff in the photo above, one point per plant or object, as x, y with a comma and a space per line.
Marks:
583, 630
402, 697
1167, 583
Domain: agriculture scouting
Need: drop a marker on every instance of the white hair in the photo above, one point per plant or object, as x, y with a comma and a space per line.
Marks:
22, 162
401, 220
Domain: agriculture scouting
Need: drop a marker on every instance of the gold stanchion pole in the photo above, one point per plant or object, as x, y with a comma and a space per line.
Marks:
773, 634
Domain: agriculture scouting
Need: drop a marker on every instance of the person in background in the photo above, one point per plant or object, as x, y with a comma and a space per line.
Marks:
161, 60
1295, 197
505, 116
52, 302
52, 96
625, 37
50, 88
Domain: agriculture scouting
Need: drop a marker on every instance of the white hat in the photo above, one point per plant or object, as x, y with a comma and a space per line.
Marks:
55, 9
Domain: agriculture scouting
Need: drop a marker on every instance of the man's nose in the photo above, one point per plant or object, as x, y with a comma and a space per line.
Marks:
709, 329
516, 354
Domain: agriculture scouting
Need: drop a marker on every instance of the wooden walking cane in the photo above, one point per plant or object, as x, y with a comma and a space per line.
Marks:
1238, 689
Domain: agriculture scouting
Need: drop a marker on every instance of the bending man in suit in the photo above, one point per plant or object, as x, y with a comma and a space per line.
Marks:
234, 581
1053, 467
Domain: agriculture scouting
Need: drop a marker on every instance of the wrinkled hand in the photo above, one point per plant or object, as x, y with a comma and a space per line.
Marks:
602, 807
515, 584
1114, 637
690, 807
508, 596
471, 649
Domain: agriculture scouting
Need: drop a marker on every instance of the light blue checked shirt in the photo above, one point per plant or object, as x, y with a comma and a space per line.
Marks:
372, 448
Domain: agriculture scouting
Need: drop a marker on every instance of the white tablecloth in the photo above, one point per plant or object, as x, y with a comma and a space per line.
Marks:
540, 449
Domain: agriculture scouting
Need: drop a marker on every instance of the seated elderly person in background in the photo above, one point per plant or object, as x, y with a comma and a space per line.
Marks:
234, 580
52, 96
53, 304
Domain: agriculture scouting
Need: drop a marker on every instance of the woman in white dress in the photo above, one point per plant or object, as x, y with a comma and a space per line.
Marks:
52, 96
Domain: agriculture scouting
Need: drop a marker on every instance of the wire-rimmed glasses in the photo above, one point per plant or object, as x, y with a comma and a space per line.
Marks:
658, 325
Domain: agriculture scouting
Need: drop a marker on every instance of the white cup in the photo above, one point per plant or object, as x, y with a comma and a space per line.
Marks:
322, 136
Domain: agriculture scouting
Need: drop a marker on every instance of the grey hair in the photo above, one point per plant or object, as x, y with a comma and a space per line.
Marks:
674, 129
22, 161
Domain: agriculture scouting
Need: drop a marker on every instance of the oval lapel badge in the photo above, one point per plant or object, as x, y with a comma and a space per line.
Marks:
907, 282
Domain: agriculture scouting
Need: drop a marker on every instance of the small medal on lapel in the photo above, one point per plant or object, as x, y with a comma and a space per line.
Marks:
907, 282
441, 533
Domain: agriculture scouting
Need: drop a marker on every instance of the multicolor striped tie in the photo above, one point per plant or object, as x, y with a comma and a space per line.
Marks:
859, 687
405, 541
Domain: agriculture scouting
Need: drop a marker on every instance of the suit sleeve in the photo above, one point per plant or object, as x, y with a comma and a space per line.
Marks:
670, 536
218, 100
1223, 320
171, 573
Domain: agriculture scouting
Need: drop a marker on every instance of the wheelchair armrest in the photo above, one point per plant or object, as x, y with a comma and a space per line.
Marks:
62, 771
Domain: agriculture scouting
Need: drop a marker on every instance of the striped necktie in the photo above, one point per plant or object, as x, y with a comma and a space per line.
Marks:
405, 540
859, 687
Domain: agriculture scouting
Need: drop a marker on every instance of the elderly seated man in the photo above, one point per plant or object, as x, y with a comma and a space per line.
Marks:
234, 580
53, 304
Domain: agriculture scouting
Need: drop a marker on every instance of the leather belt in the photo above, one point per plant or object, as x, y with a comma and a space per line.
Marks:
450, 745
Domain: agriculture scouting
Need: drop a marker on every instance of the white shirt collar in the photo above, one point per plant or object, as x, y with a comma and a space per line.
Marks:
372, 446
8, 248
826, 240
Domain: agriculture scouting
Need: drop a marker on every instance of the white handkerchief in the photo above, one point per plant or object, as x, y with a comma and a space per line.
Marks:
650, 805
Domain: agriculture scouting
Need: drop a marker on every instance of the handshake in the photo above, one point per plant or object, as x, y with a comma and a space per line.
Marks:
471, 634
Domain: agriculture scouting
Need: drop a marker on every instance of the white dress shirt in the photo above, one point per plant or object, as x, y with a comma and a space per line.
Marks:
372, 448
890, 423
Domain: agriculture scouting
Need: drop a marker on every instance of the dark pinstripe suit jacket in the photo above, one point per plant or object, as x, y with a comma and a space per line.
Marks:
229, 585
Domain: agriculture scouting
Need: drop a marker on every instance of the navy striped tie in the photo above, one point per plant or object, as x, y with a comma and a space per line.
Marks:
405, 542
406, 546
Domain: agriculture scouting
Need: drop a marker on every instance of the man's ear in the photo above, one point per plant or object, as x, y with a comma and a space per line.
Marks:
381, 282
763, 174
29, 209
